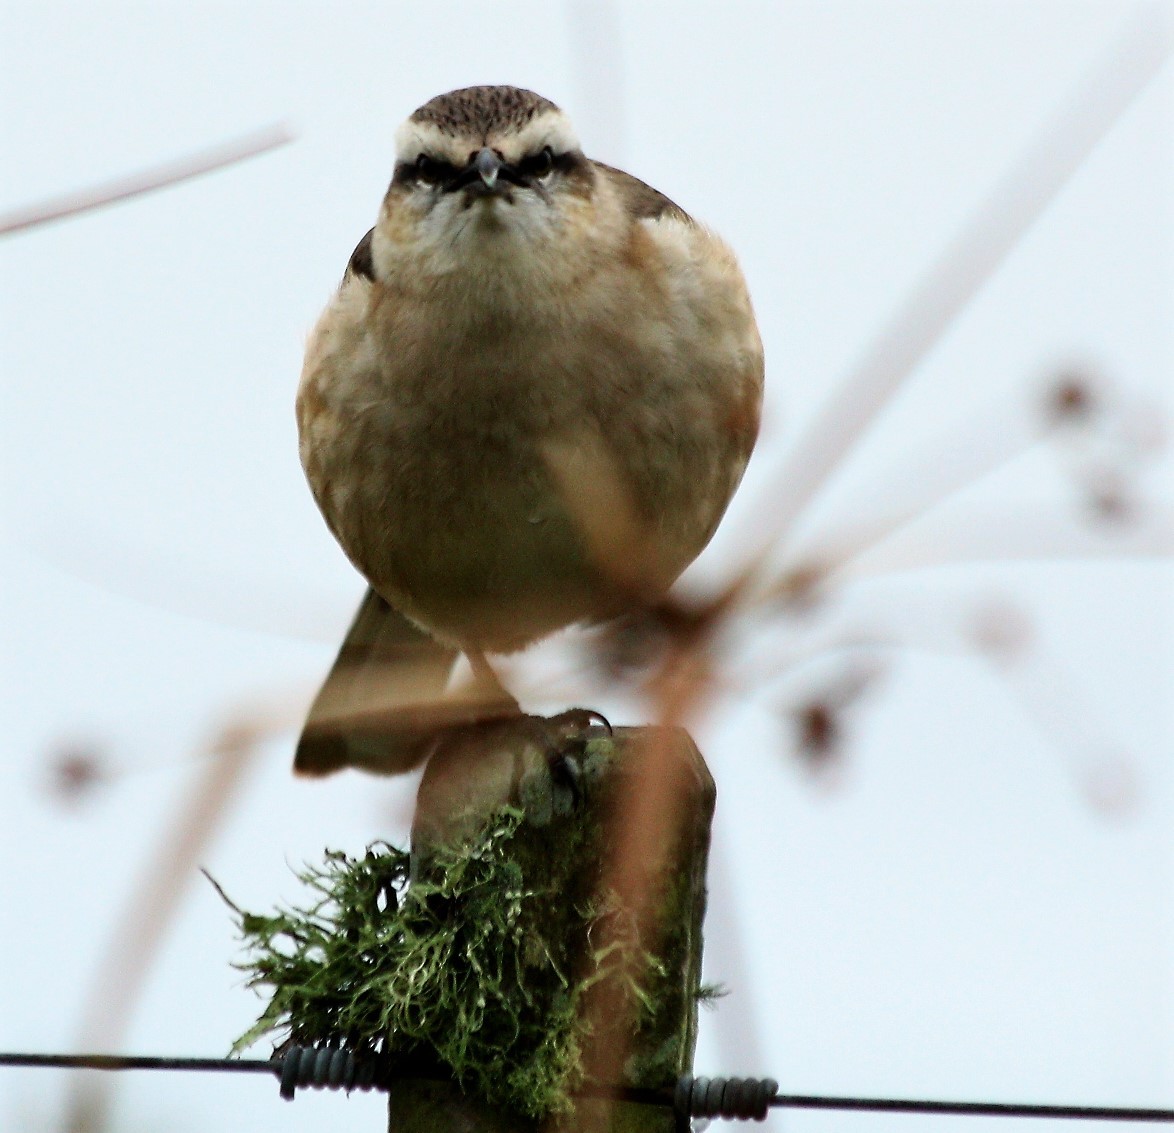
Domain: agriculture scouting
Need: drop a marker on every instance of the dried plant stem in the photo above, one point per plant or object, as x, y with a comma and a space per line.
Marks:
597, 60
152, 907
974, 446
646, 820
739, 1037
1009, 534
953, 280
148, 180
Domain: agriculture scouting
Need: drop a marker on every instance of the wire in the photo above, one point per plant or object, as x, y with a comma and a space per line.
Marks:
975, 1109
143, 1062
694, 1090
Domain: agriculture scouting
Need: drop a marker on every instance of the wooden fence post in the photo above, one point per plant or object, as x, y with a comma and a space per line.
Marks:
562, 847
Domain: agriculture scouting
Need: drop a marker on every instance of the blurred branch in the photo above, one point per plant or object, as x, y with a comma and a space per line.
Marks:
1067, 711
956, 276
1005, 534
597, 70
148, 180
739, 1039
975, 445
152, 908
647, 817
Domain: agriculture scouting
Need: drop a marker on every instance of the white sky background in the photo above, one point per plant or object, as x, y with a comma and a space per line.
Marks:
950, 915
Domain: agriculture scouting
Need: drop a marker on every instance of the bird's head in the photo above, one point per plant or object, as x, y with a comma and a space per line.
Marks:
482, 176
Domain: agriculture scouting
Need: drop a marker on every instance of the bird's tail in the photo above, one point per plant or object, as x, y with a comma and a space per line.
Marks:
380, 704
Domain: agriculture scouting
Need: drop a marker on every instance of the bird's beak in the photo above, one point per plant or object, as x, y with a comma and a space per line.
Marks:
488, 165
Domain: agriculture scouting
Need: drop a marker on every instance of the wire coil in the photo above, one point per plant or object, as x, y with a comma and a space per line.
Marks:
326, 1068
335, 1068
742, 1098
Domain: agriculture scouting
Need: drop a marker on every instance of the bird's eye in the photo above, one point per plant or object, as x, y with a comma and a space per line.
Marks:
538, 164
432, 171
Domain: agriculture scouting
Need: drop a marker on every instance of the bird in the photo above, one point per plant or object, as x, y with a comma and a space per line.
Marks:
527, 405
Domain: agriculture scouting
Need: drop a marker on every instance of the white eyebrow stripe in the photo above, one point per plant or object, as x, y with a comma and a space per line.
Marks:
415, 138
552, 128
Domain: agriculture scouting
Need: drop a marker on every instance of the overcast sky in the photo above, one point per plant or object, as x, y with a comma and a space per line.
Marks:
976, 901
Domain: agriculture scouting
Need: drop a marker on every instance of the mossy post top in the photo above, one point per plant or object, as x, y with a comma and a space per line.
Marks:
527, 948
643, 1008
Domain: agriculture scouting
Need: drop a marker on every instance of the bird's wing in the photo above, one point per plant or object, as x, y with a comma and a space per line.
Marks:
379, 704
360, 261
643, 202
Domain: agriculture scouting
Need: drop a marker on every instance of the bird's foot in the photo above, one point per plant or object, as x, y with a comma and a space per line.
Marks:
542, 765
555, 789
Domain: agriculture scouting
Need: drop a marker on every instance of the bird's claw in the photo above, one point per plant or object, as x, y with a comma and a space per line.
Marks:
557, 790
575, 721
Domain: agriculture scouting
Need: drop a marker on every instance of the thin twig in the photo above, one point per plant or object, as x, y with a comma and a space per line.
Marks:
148, 180
152, 908
955, 278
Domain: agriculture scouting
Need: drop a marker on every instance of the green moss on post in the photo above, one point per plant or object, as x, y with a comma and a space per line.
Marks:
472, 965
561, 849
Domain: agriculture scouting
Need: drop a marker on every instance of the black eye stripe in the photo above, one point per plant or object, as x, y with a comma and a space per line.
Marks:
537, 164
433, 171
566, 162
429, 170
